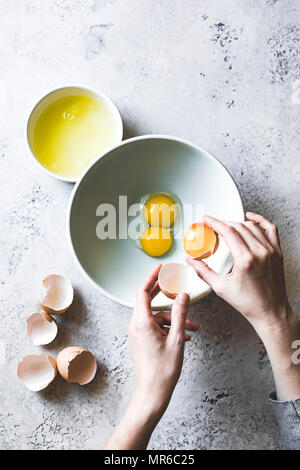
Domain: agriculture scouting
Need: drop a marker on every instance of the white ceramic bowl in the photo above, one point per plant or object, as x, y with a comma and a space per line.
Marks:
61, 93
136, 167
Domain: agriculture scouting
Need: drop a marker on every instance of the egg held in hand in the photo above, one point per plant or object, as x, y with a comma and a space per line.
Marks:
174, 278
200, 241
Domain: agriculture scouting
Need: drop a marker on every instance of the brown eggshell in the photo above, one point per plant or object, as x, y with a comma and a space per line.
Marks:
175, 278
33, 369
195, 227
57, 295
170, 295
77, 365
41, 328
209, 253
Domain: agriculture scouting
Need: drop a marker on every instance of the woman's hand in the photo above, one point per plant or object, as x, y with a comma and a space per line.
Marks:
256, 284
157, 343
256, 288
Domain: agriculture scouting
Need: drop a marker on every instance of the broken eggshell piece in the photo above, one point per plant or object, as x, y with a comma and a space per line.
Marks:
200, 241
41, 328
77, 365
174, 278
37, 371
57, 295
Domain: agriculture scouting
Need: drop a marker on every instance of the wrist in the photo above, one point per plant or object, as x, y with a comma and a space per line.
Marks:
275, 323
150, 404
279, 340
136, 425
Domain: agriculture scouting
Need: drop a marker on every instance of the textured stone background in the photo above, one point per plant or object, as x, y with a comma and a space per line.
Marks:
223, 74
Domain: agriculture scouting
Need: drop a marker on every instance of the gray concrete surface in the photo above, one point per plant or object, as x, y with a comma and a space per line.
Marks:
223, 74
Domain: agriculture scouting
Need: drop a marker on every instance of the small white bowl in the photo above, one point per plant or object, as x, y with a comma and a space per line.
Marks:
54, 95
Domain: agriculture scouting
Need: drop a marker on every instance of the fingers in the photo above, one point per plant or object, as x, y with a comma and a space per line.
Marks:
232, 237
207, 274
249, 237
164, 318
146, 292
178, 318
255, 229
155, 290
165, 332
258, 233
267, 226
148, 283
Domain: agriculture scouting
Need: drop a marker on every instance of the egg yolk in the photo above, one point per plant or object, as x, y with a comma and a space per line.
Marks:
160, 211
156, 241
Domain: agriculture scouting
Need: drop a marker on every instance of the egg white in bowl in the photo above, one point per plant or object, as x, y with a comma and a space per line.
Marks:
136, 167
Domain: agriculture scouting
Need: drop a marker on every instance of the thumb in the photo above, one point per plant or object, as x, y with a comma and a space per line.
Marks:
178, 316
207, 274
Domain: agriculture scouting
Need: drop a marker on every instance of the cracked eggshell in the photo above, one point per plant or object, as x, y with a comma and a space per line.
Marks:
200, 241
77, 365
37, 371
57, 295
41, 328
174, 278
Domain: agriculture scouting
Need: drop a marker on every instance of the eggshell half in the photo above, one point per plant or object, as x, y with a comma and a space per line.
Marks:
37, 371
57, 295
77, 365
200, 241
174, 278
41, 328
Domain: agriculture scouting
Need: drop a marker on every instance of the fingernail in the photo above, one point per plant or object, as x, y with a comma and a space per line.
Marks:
183, 298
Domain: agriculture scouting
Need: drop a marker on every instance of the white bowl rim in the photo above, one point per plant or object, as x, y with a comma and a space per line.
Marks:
116, 114
103, 291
